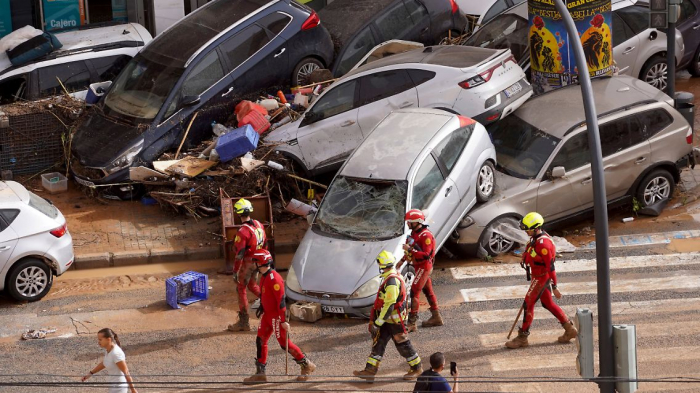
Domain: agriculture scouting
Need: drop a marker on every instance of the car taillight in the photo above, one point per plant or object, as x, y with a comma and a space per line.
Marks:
59, 232
481, 78
689, 136
312, 21
464, 121
455, 7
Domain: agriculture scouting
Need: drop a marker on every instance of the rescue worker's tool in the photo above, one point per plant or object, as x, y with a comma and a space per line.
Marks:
286, 355
522, 307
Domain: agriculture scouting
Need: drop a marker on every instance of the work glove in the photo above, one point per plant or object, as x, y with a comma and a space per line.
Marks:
373, 329
235, 277
259, 312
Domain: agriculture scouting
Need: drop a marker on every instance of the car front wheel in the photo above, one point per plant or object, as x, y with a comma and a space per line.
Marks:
655, 72
303, 70
485, 182
655, 187
494, 243
29, 280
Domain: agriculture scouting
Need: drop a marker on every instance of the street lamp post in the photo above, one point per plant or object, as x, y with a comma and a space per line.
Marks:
605, 332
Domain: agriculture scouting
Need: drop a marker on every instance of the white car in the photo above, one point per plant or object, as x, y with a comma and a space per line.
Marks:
485, 85
87, 56
35, 244
424, 159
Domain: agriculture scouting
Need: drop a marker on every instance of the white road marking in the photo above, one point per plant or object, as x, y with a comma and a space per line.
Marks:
582, 288
578, 265
508, 362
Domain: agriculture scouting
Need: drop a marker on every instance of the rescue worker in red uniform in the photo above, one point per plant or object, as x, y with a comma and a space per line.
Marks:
539, 257
249, 239
387, 322
272, 314
420, 252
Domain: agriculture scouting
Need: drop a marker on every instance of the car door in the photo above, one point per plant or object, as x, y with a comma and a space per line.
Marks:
381, 93
561, 197
458, 163
436, 195
626, 154
252, 60
329, 131
421, 21
202, 91
276, 64
689, 26
8, 237
625, 45
395, 22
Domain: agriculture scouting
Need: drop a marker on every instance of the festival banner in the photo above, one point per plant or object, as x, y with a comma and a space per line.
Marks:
552, 59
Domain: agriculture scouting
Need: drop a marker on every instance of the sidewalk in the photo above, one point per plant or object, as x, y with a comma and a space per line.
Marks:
116, 233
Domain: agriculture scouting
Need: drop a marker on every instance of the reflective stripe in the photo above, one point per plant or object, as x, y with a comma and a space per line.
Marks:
413, 360
374, 362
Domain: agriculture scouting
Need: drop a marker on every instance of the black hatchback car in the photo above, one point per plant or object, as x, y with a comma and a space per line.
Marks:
203, 64
376, 21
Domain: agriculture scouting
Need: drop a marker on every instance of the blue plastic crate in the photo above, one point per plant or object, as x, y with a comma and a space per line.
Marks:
187, 288
236, 143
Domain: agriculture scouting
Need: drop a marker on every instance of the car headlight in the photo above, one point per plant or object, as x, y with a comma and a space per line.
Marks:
125, 159
293, 281
368, 289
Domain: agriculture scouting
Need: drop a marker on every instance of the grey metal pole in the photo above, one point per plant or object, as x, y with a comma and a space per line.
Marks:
671, 59
605, 332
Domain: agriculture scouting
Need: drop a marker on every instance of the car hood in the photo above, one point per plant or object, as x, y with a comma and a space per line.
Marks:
285, 133
99, 140
331, 265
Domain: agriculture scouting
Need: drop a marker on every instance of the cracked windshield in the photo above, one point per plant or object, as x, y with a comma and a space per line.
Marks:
363, 209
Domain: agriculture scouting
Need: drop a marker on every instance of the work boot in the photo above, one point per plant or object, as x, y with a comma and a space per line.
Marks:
411, 324
435, 319
368, 373
570, 333
414, 372
307, 367
258, 377
243, 324
520, 341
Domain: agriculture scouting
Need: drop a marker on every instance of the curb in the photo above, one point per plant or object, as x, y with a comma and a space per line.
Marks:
144, 257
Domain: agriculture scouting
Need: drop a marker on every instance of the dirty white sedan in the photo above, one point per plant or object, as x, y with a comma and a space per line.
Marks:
423, 159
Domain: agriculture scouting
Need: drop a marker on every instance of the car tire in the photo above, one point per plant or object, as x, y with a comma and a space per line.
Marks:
408, 272
655, 72
29, 280
495, 244
485, 182
304, 68
694, 66
655, 187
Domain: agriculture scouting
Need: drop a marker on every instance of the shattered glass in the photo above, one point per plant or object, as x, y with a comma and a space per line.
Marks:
363, 209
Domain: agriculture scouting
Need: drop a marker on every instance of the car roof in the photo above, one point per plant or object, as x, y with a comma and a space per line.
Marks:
610, 94
179, 42
390, 150
11, 191
85, 42
443, 55
335, 18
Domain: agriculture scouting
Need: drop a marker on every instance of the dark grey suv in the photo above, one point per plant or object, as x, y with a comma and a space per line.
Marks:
203, 64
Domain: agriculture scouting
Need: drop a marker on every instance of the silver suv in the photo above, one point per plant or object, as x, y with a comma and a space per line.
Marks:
544, 160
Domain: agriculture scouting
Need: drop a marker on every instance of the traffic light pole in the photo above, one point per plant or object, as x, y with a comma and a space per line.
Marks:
605, 331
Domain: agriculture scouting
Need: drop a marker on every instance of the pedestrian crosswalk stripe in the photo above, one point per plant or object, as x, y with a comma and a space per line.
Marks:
582, 288
578, 265
508, 362
646, 330
665, 306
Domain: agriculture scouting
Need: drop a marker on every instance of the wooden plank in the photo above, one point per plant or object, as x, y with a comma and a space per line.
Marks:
163, 165
190, 166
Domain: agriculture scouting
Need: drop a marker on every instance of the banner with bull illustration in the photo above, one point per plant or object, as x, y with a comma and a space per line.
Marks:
552, 59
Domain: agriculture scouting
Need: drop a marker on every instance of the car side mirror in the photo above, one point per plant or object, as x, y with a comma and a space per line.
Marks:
653, 35
189, 101
558, 172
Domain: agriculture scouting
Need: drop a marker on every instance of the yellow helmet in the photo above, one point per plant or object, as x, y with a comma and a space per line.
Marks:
532, 220
243, 207
386, 259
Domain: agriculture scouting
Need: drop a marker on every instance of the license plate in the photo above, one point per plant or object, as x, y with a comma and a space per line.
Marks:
513, 90
333, 309
84, 182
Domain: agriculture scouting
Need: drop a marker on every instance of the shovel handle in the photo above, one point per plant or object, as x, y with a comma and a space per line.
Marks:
516, 320
286, 354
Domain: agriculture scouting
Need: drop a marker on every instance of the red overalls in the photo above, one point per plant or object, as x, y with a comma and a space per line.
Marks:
250, 238
423, 255
539, 255
274, 310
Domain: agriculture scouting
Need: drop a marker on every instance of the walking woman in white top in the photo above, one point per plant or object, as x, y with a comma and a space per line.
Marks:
114, 362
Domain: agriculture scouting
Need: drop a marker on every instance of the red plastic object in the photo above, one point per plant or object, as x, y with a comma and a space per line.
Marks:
312, 21
280, 95
245, 107
454, 5
256, 120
